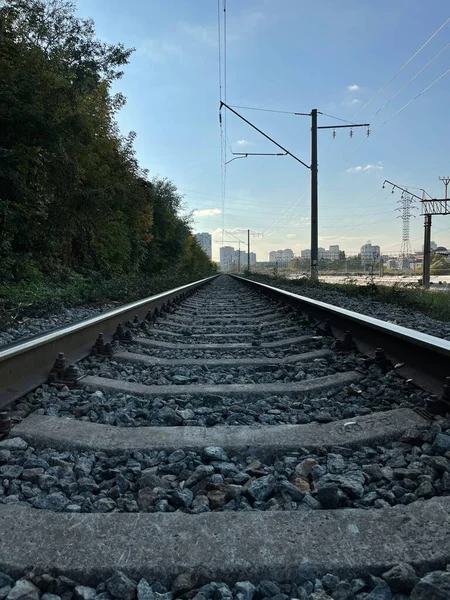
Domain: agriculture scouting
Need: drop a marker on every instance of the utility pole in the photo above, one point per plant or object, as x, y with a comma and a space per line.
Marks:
314, 199
427, 251
313, 167
248, 251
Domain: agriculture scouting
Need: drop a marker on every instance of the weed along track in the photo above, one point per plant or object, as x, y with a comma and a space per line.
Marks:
233, 441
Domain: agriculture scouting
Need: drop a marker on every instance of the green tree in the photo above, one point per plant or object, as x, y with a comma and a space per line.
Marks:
73, 196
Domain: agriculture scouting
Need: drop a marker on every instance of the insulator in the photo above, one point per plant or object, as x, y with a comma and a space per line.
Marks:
334, 134
368, 132
351, 133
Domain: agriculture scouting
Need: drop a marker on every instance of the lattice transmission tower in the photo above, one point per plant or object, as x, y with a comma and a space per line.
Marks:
406, 208
446, 181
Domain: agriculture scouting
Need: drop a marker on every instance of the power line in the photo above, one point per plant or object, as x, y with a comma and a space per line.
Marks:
383, 87
400, 90
412, 79
399, 111
415, 97
272, 227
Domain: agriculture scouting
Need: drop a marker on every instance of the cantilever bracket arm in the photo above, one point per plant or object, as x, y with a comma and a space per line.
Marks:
235, 158
399, 187
263, 134
259, 153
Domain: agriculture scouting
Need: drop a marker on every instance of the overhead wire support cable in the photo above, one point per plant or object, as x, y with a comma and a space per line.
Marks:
284, 112
337, 118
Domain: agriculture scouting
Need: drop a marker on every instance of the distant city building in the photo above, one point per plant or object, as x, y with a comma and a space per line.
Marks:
370, 252
333, 253
230, 257
226, 257
275, 255
204, 239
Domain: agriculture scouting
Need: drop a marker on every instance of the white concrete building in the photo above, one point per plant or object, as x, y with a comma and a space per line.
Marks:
369, 252
227, 256
331, 254
204, 239
286, 254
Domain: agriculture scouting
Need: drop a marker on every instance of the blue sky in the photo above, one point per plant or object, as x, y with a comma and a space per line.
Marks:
290, 55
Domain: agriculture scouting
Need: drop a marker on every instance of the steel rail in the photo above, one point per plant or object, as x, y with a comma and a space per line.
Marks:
426, 358
24, 365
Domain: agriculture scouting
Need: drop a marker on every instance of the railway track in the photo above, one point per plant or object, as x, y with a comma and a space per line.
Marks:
237, 434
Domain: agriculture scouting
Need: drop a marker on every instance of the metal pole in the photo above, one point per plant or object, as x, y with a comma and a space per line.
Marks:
426, 252
248, 251
314, 198
239, 258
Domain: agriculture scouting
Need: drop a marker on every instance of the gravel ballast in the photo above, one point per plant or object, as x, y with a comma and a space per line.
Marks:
66, 316
373, 308
414, 469
401, 582
375, 392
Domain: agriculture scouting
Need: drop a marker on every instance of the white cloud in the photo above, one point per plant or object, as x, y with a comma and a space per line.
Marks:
355, 101
241, 27
353, 88
365, 169
200, 33
291, 236
244, 143
159, 50
207, 212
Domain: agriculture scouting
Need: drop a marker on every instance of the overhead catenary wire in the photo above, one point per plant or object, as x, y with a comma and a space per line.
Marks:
225, 99
222, 137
